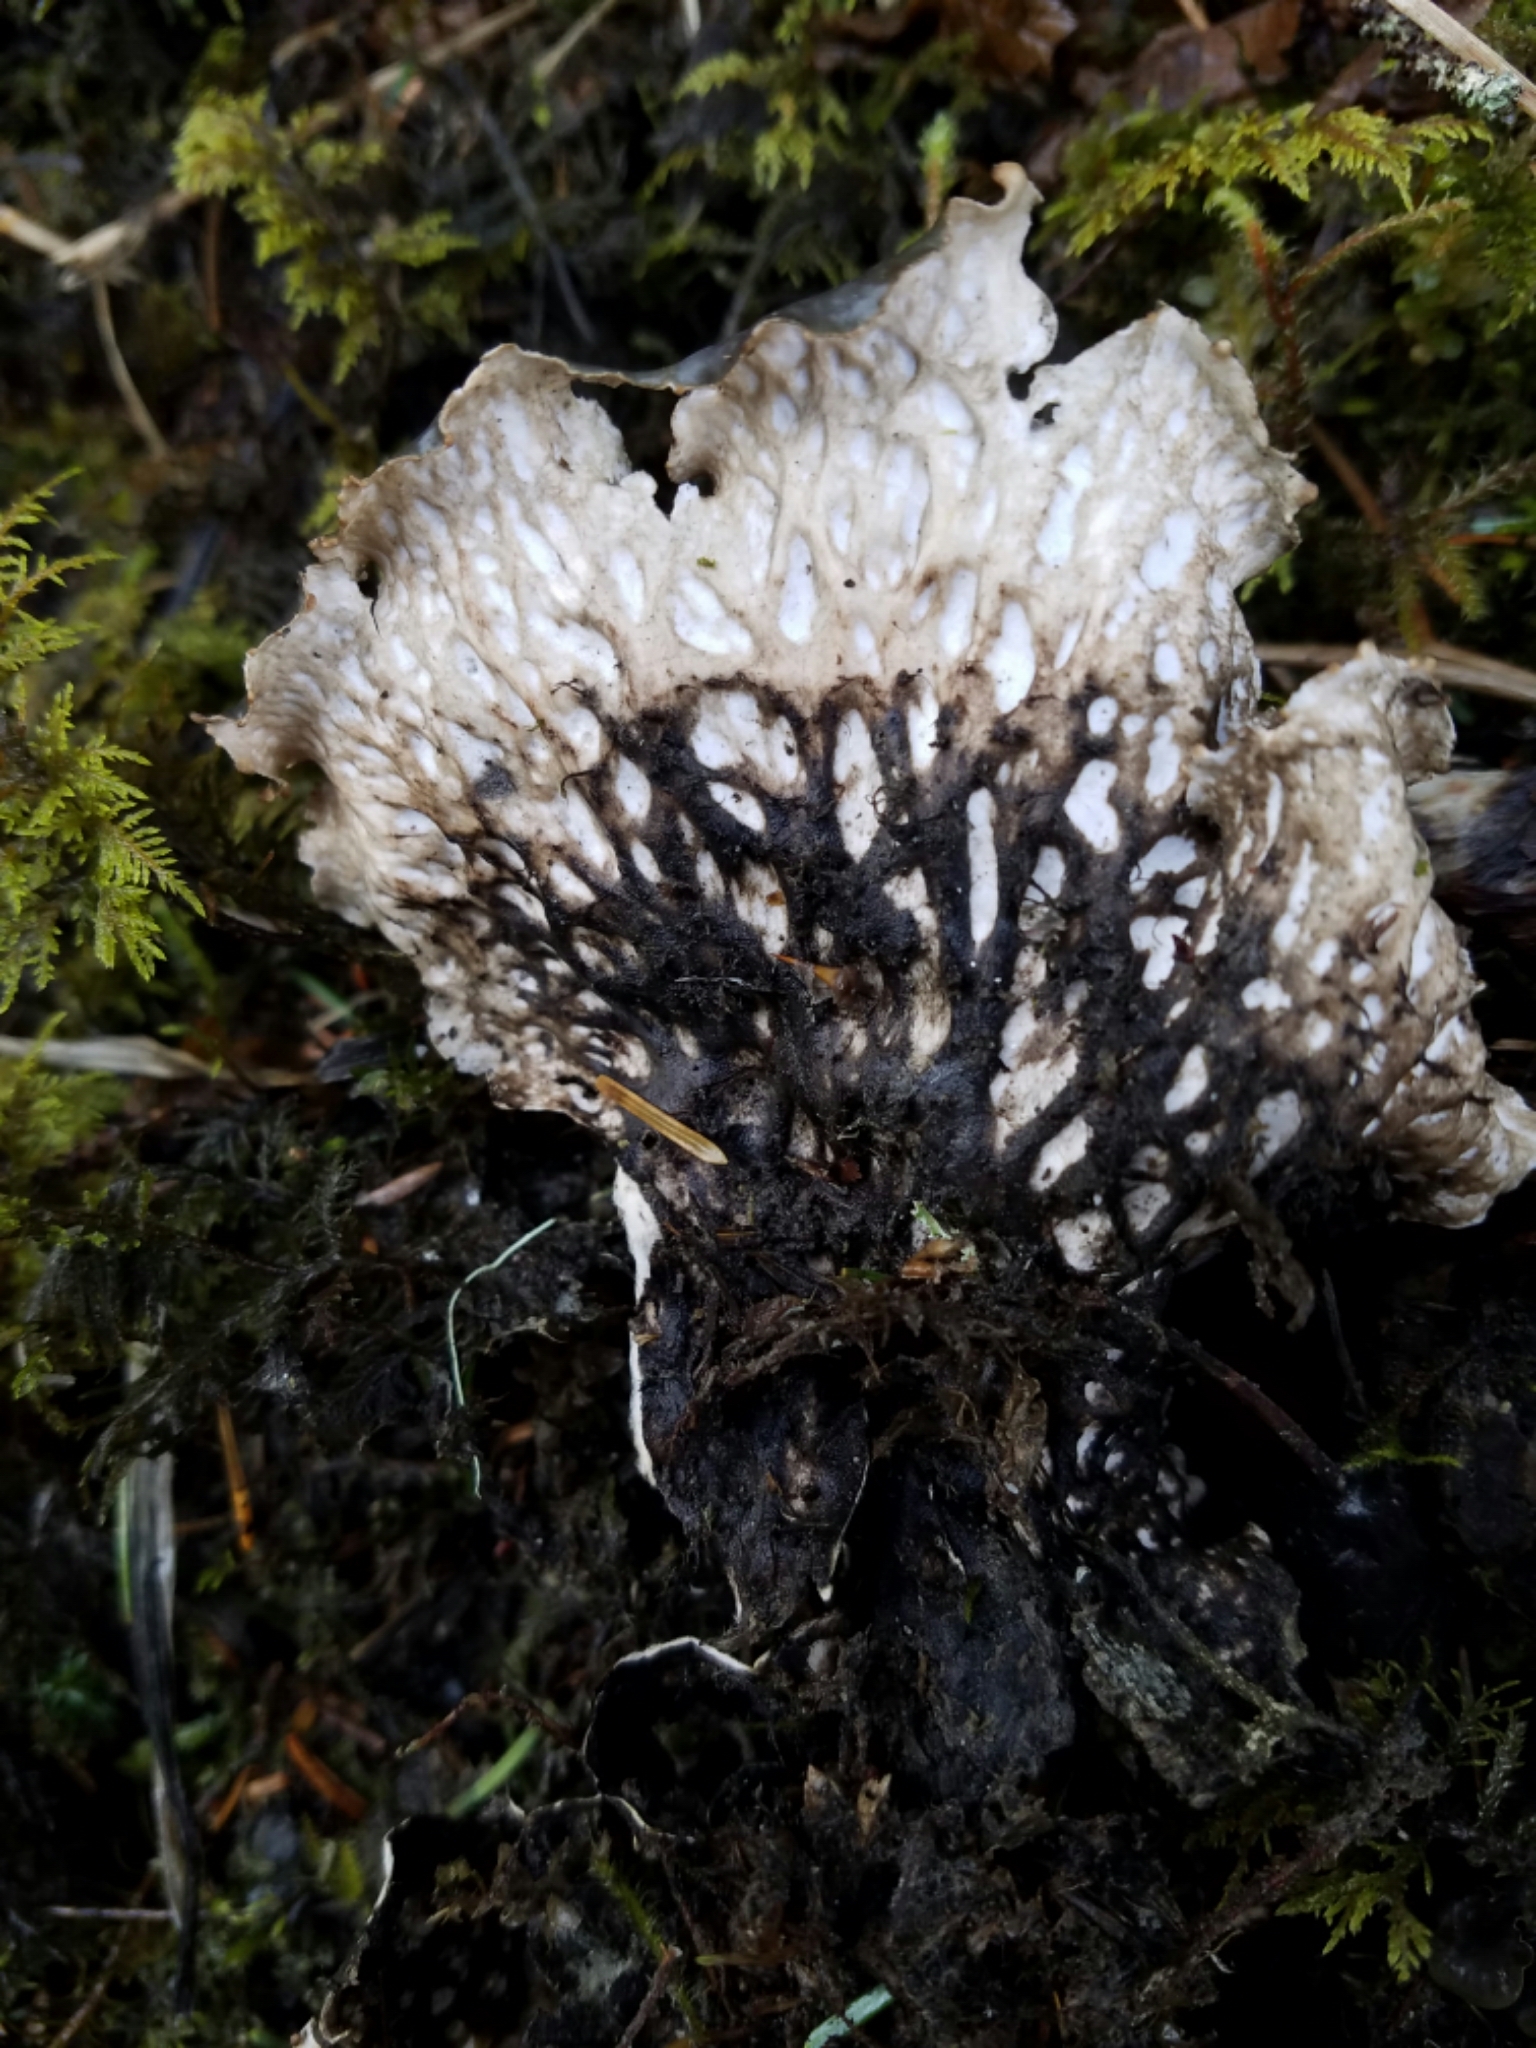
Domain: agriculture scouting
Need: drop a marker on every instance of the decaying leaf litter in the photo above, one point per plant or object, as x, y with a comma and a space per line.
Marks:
234, 1248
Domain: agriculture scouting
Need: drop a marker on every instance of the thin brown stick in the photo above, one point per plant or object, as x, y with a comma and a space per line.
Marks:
475, 37
1290, 1432
87, 2010
20, 227
1194, 14
319, 1776
159, 1914
1369, 506
104, 252
1457, 667
485, 1702
122, 377
546, 66
651, 2000
213, 217
1448, 32
1313, 273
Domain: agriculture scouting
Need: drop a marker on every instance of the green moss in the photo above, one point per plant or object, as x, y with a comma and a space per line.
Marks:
312, 198
79, 849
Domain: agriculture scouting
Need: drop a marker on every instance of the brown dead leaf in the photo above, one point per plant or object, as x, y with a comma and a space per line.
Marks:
1012, 39
1217, 64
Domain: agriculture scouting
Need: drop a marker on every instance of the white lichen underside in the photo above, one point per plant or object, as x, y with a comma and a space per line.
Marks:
1060, 567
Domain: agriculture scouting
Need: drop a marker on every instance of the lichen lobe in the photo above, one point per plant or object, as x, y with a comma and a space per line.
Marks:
898, 815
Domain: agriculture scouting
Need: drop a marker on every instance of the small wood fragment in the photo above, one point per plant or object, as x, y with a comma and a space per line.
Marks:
224, 1812
396, 1190
235, 1479
322, 1779
259, 1790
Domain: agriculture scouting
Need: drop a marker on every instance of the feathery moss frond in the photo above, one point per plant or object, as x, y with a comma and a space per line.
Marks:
77, 847
1136, 158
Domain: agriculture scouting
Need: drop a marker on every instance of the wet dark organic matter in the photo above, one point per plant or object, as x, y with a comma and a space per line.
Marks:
726, 1303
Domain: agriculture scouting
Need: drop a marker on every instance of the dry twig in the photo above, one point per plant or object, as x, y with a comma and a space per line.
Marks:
1457, 667
90, 2005
1448, 32
651, 2000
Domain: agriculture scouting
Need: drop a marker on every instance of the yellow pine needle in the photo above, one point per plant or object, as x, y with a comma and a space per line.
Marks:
665, 1126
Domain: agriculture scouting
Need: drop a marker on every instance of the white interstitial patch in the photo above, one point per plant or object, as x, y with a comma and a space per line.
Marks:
1010, 660
1274, 812
1066, 646
1050, 872
760, 903
1039, 1058
1088, 807
732, 732
569, 886
1189, 1083
645, 861
923, 729
1266, 995
797, 605
856, 779
700, 620
1170, 554
980, 813
1164, 758
629, 581
1069, 1145
958, 619
1158, 938
1144, 1205
1102, 713
1276, 1122
1085, 1242
1054, 547
632, 788
1424, 954
928, 1007
1170, 856
744, 808
711, 881
1379, 805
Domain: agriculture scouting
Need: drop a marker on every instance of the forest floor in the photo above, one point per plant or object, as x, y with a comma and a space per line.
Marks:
246, 1239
